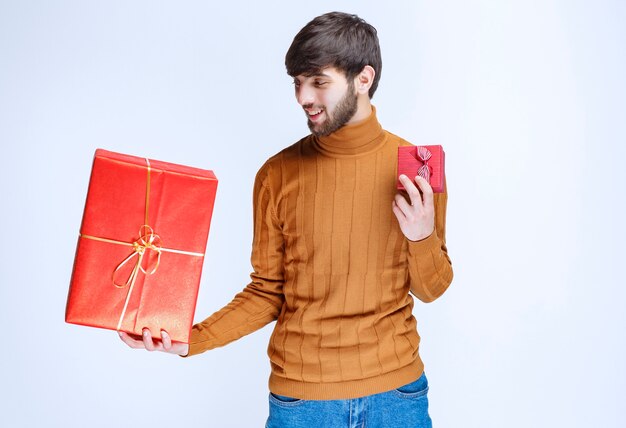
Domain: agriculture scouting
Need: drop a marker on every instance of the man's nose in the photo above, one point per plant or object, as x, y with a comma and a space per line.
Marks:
305, 95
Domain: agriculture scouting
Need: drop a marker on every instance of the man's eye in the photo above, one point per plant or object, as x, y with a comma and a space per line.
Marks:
320, 83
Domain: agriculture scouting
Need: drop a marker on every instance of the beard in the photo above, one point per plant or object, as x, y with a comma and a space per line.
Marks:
344, 111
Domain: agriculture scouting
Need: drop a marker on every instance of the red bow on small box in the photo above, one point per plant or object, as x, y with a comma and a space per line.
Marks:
426, 161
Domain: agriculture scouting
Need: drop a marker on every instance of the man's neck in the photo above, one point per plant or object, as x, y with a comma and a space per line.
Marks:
363, 110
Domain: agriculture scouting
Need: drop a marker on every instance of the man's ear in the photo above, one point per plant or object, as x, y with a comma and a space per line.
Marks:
364, 80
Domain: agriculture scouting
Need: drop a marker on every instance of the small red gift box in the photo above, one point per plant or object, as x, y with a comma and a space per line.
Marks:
425, 161
141, 246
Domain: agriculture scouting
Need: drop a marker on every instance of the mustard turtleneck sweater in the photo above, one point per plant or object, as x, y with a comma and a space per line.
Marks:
332, 266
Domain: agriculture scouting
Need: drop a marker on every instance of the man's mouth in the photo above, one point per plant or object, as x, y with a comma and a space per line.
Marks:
314, 114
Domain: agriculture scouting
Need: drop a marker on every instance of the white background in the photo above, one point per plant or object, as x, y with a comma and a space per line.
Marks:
527, 98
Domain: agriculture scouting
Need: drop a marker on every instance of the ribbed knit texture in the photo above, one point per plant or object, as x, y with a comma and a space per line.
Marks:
332, 266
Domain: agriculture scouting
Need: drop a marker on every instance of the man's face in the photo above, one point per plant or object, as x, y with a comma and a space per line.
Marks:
328, 99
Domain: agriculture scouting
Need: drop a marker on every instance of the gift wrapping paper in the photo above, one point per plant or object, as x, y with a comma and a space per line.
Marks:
141, 245
425, 161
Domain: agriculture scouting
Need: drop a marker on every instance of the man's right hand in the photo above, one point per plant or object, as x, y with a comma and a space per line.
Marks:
145, 341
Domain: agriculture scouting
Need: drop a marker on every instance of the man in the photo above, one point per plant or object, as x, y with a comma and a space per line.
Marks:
336, 252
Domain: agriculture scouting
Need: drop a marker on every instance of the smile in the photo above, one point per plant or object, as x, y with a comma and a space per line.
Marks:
314, 115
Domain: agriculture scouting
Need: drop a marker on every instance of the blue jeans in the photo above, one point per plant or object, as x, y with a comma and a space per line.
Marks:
405, 407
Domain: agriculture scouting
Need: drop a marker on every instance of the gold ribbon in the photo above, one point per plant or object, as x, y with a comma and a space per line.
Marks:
148, 240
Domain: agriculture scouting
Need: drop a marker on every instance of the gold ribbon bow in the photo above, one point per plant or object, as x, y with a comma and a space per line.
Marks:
148, 240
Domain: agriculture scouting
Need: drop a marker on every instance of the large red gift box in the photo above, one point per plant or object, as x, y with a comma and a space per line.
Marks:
141, 246
425, 161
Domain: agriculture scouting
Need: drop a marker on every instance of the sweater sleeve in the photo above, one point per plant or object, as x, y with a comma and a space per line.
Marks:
430, 268
262, 299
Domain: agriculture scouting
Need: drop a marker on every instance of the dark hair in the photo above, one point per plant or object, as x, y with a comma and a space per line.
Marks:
339, 40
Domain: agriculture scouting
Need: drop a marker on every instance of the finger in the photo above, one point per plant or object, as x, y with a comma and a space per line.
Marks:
130, 340
147, 340
411, 190
402, 204
406, 181
166, 340
427, 191
398, 213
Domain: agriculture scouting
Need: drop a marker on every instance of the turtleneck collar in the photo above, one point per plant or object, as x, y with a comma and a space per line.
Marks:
355, 139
